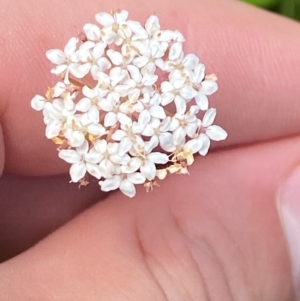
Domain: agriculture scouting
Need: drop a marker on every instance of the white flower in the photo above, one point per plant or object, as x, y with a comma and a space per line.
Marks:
65, 60
90, 104
124, 182
152, 26
115, 27
160, 129
177, 60
203, 87
115, 116
111, 159
152, 109
77, 126
91, 57
209, 131
149, 158
178, 90
92, 32
38, 102
82, 161
126, 137
142, 80
113, 83
150, 55
184, 125
55, 115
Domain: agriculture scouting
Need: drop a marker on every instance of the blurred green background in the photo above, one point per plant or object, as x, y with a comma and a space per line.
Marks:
289, 8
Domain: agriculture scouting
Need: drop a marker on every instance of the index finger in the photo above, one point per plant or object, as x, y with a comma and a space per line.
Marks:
254, 53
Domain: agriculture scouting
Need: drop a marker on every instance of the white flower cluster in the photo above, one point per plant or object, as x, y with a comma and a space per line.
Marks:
110, 112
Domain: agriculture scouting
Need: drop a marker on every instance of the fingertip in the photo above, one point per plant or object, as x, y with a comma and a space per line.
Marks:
2, 151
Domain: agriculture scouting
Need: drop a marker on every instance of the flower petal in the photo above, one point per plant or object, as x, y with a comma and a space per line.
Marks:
110, 119
149, 79
166, 142
180, 105
77, 171
209, 117
191, 129
161, 173
136, 178
202, 101
83, 148
157, 112
76, 138
105, 19
121, 16
167, 98
190, 61
205, 144
94, 170
125, 146
69, 155
106, 168
148, 131
135, 73
209, 87
83, 105
115, 57
79, 70
158, 158
140, 61
132, 166
92, 32
96, 129
152, 25
127, 188
94, 114
188, 92
56, 56
166, 87
194, 145
179, 136
71, 46
137, 29
112, 183
148, 170
101, 145
151, 144
144, 118
216, 133
103, 64
124, 119
38, 102
199, 73
53, 128
175, 51
98, 50
118, 135
93, 156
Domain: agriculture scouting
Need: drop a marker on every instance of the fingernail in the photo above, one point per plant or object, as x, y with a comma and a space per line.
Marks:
289, 211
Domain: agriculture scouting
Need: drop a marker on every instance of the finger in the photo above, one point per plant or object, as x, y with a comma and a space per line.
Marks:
2, 151
254, 53
220, 223
33, 207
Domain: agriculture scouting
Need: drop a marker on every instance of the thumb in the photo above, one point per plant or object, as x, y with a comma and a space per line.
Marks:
289, 210
2, 151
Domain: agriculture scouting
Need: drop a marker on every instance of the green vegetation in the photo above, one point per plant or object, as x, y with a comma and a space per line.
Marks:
289, 8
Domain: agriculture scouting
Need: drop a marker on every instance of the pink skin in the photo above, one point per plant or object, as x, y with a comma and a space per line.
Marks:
213, 235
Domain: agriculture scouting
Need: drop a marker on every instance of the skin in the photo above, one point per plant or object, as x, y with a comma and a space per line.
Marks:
213, 235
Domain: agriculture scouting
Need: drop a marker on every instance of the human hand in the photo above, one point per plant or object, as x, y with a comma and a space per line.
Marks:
213, 235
